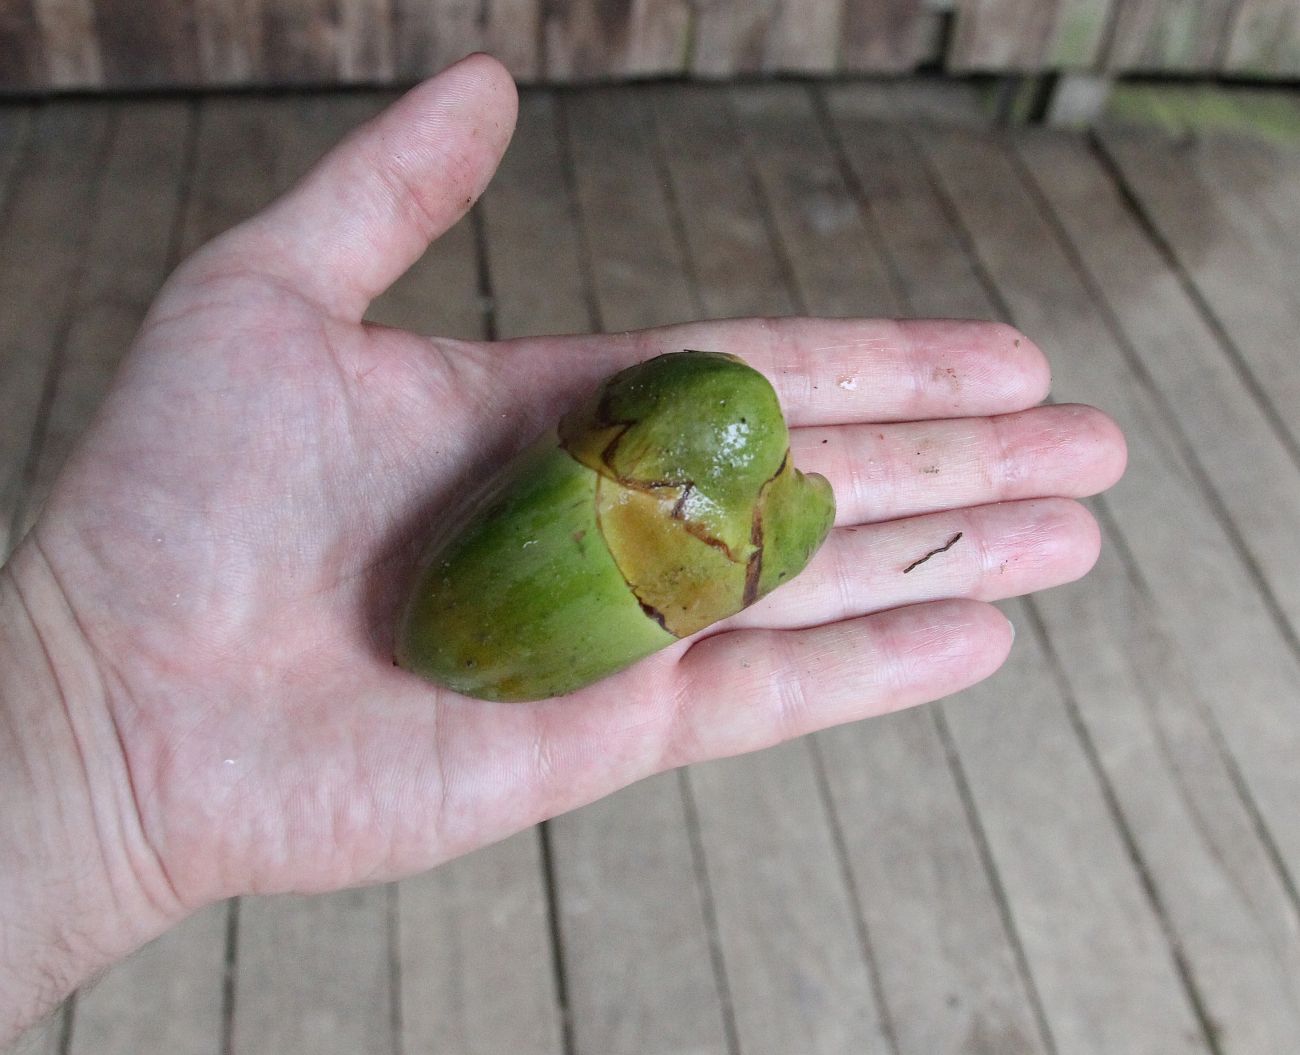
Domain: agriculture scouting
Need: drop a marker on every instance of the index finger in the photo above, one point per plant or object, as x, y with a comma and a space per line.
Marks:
838, 371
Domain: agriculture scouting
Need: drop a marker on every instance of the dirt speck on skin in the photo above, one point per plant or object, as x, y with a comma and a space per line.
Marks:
1016, 342
932, 470
946, 373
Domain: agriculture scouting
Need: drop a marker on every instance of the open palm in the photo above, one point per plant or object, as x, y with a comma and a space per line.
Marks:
236, 534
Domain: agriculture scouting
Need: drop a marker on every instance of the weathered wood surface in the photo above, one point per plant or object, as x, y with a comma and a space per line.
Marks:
1097, 986
314, 973
205, 43
1265, 39
145, 45
741, 36
1169, 35
1095, 852
127, 258
584, 40
893, 37
531, 230
1183, 363
230, 38
428, 36
48, 209
1215, 237
168, 997
474, 955
1161, 532
1028, 35
22, 58
71, 47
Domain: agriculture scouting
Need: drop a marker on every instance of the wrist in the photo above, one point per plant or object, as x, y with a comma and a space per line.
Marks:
79, 884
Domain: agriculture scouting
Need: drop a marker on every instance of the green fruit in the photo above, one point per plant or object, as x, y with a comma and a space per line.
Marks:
663, 504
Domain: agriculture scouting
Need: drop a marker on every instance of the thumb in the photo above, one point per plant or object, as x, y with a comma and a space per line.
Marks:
368, 210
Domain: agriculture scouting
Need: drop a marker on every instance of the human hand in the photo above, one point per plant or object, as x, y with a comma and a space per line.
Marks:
216, 575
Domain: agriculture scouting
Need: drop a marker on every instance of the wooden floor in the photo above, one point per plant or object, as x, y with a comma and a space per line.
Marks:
1095, 852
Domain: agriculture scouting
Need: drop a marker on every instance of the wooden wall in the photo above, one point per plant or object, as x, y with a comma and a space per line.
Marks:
203, 43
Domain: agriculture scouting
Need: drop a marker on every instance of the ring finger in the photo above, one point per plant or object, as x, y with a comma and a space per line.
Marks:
983, 553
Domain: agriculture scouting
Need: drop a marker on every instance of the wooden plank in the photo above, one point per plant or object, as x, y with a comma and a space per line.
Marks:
629, 235
234, 165
1134, 759
365, 41
70, 45
146, 45
167, 997
742, 36
475, 956
1152, 36
1236, 934
1228, 907
1258, 185
818, 223
313, 974
42, 245
1243, 667
636, 950
22, 58
46, 1037
439, 295
1028, 35
1101, 965
934, 275
1196, 385
309, 125
1217, 241
126, 260
894, 36
534, 252
947, 970
15, 133
636, 947
797, 976
429, 37
727, 234
230, 39
589, 39
1264, 40
300, 42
